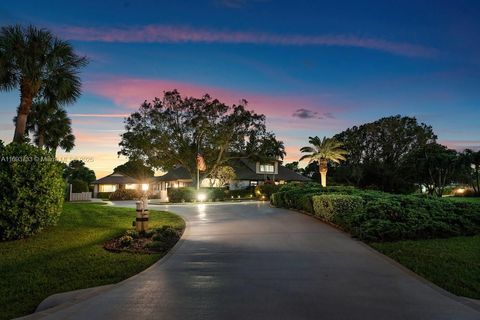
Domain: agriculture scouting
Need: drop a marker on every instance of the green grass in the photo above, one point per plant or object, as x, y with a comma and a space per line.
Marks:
70, 256
464, 199
453, 264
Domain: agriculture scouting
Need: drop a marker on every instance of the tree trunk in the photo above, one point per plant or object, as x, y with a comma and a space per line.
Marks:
323, 169
41, 138
26, 98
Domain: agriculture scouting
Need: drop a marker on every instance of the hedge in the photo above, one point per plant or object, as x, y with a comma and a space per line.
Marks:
336, 208
31, 191
125, 194
378, 216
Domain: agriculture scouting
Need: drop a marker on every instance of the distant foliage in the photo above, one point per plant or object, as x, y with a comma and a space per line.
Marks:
79, 186
31, 191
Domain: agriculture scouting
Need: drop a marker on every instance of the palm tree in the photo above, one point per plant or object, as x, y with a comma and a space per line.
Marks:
323, 151
38, 63
50, 126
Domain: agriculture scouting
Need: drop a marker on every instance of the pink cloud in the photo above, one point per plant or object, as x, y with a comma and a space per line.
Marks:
99, 115
131, 92
184, 34
461, 145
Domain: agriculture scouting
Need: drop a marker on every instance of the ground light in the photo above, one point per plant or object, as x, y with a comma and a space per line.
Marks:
145, 187
201, 197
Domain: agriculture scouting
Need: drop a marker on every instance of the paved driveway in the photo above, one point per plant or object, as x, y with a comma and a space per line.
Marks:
250, 261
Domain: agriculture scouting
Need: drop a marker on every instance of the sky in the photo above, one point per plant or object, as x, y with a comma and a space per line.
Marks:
314, 68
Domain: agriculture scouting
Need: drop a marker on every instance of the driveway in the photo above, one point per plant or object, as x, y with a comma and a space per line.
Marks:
251, 261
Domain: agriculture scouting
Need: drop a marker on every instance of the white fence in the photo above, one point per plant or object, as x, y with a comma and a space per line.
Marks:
80, 196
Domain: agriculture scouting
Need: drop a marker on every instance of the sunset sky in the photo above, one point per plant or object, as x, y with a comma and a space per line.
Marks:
314, 68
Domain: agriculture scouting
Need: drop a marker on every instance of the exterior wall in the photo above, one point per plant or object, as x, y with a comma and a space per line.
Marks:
239, 184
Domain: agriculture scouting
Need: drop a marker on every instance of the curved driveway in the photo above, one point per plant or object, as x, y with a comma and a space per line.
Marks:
251, 261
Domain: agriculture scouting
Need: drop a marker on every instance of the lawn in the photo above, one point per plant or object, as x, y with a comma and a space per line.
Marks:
453, 264
70, 256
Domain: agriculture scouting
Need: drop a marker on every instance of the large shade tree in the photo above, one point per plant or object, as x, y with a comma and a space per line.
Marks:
433, 166
39, 64
323, 151
377, 150
470, 162
171, 131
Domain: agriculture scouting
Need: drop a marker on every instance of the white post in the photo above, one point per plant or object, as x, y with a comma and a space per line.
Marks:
70, 193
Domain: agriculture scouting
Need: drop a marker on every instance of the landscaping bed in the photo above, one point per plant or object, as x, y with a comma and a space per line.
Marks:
71, 256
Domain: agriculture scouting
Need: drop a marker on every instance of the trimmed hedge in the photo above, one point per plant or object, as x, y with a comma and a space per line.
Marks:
103, 195
336, 208
125, 194
31, 191
378, 216
189, 194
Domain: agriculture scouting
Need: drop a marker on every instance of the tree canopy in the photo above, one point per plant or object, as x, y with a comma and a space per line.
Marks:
376, 151
135, 169
76, 170
171, 131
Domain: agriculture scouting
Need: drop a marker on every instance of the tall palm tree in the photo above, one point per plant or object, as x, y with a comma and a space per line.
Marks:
38, 63
323, 151
50, 126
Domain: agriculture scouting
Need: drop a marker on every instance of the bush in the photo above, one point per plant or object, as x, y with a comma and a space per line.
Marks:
266, 190
125, 194
31, 191
185, 194
79, 186
336, 208
103, 195
378, 216
166, 234
126, 240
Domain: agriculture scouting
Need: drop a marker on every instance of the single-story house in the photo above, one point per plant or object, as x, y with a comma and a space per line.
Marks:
115, 181
248, 173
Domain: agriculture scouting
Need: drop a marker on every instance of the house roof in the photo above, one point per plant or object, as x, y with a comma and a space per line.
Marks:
116, 178
178, 173
244, 170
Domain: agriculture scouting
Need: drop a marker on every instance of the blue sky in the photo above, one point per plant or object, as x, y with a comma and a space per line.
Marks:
340, 63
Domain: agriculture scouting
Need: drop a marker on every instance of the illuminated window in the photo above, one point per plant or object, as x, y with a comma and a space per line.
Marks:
267, 168
131, 186
108, 188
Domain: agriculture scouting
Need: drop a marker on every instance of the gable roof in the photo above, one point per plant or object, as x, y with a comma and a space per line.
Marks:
244, 170
178, 173
116, 178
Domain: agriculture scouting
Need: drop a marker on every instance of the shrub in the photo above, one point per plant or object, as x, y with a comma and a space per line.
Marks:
379, 216
215, 194
126, 240
79, 186
31, 191
185, 194
336, 208
104, 195
166, 234
266, 190
125, 194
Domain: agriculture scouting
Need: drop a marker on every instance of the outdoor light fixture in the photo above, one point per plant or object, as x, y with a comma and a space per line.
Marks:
201, 197
460, 190
145, 187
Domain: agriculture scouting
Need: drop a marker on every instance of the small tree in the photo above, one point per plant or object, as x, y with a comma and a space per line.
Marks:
323, 151
76, 170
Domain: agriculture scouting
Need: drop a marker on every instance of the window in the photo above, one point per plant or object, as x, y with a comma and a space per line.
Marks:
107, 188
253, 183
267, 168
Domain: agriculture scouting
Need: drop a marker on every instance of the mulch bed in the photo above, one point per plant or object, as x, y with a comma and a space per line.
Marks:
137, 246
